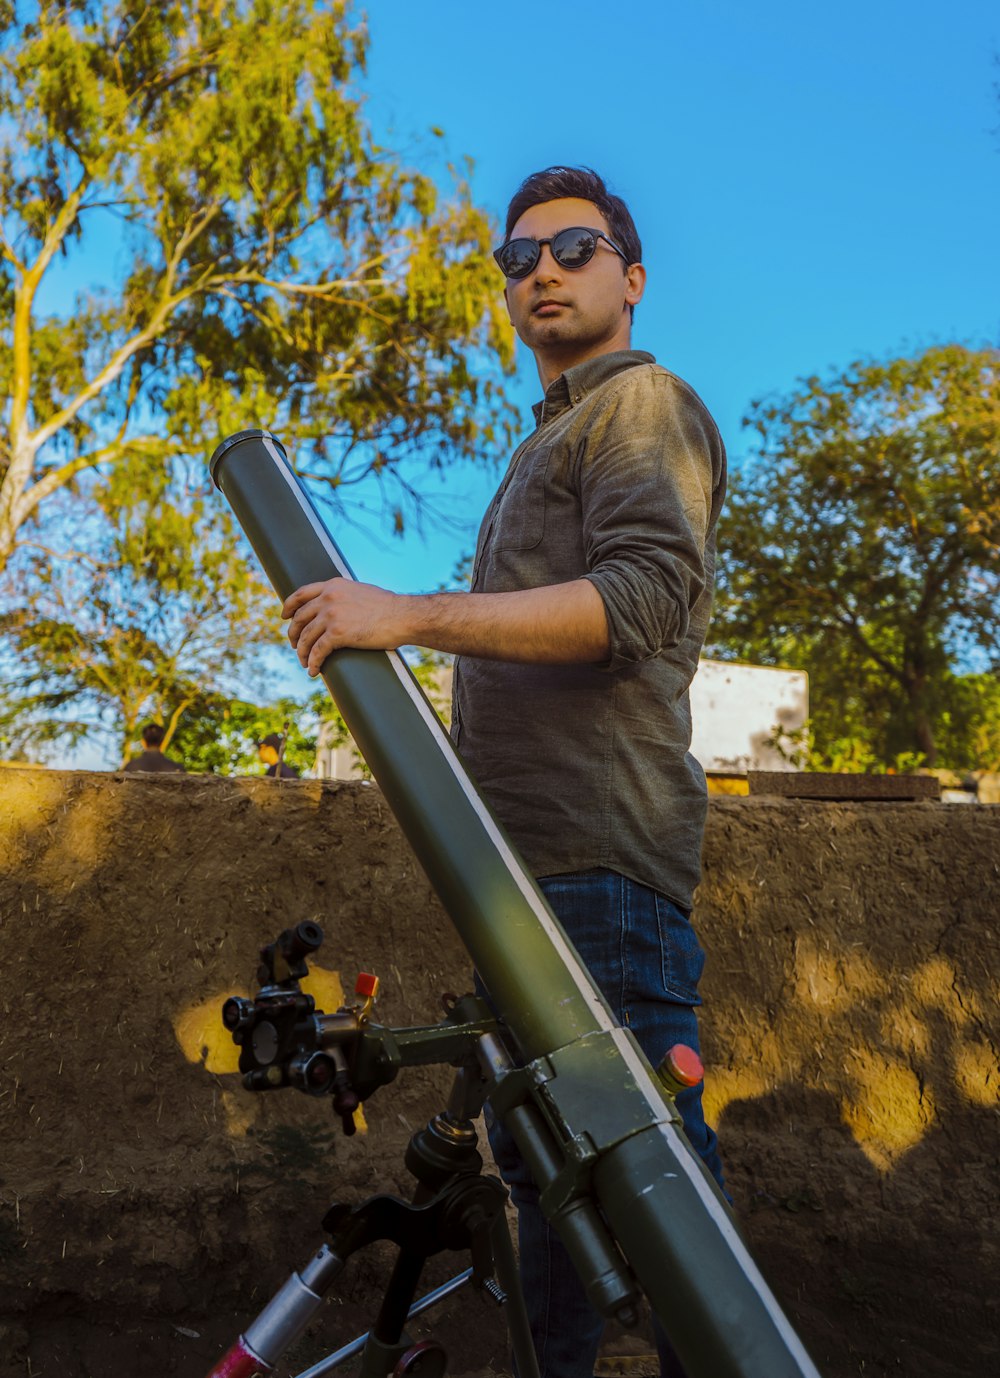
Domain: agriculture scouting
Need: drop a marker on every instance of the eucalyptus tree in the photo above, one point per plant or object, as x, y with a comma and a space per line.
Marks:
252, 256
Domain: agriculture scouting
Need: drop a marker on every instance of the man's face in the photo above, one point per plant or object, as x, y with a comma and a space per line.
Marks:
567, 315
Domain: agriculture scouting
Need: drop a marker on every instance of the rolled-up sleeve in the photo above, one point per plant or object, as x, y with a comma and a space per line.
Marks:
650, 474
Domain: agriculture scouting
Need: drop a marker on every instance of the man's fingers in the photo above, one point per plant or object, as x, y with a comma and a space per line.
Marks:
295, 600
309, 633
300, 621
321, 648
338, 613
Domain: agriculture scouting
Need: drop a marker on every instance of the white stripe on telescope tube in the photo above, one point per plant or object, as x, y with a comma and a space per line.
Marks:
544, 915
325, 540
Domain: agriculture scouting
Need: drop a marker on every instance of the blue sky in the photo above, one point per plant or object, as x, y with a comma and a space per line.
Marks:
812, 184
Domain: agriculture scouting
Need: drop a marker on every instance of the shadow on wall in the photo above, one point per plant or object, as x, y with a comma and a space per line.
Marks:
881, 1272
850, 950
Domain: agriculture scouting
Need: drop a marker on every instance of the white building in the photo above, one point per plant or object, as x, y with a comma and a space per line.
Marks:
747, 717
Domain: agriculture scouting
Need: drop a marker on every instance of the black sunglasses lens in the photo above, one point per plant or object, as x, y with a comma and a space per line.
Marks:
574, 247
518, 257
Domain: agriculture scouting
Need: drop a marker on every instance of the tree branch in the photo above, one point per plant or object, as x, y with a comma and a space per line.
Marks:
112, 370
56, 478
24, 299
7, 252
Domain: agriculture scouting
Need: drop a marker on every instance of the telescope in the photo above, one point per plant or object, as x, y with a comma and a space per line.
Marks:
619, 1182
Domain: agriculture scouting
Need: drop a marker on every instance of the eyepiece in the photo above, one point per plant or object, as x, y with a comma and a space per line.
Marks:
237, 1013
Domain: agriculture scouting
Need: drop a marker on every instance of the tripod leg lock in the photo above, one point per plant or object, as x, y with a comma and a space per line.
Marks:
291, 1309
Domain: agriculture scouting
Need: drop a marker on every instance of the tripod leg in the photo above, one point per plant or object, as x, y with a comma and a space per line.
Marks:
387, 1342
517, 1314
282, 1320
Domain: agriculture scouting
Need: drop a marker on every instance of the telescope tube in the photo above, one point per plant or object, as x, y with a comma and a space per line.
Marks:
675, 1229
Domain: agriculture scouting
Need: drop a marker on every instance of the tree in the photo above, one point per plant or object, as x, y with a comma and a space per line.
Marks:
219, 735
862, 543
154, 608
279, 269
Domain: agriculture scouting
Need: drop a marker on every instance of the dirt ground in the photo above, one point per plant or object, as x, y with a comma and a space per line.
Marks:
148, 1205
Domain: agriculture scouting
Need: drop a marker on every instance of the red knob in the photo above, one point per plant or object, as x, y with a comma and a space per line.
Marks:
682, 1065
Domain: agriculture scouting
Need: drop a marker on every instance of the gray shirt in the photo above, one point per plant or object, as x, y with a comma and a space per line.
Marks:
588, 765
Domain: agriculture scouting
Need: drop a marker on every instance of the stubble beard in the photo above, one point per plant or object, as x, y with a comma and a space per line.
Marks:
561, 336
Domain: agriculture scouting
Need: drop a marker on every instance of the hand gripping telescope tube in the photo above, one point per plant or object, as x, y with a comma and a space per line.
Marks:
669, 1220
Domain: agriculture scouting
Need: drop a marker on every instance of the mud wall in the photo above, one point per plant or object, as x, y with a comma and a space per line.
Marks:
148, 1205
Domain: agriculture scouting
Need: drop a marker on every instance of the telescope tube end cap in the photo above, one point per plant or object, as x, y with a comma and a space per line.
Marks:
237, 438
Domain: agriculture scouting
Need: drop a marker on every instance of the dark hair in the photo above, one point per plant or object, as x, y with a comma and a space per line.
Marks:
556, 183
272, 739
153, 734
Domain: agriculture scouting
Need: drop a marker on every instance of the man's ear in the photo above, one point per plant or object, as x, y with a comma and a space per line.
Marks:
635, 283
506, 302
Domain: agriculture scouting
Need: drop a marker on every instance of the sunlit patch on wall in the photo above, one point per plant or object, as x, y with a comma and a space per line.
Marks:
30, 796
42, 824
902, 1032
205, 1040
763, 1063
889, 1111
86, 835
934, 985
725, 1085
324, 987
834, 982
977, 1073
240, 1110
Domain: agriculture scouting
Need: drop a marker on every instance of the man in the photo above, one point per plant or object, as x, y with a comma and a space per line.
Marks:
577, 643
271, 752
152, 757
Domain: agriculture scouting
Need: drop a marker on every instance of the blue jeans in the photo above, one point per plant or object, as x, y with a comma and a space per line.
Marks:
644, 955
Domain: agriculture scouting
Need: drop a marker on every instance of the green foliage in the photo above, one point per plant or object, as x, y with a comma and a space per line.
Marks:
273, 267
853, 754
969, 726
219, 735
862, 543
35, 723
155, 607
263, 263
432, 671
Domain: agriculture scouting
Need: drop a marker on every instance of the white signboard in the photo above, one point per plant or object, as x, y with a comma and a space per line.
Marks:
743, 715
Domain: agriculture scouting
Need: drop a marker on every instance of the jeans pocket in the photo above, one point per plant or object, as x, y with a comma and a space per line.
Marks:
681, 957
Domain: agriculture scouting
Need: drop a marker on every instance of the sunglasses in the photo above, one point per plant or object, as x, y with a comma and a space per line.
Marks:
572, 248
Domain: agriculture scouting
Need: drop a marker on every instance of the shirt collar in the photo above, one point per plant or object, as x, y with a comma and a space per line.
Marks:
571, 387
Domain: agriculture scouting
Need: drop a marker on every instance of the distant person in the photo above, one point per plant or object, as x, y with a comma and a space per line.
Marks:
271, 750
152, 757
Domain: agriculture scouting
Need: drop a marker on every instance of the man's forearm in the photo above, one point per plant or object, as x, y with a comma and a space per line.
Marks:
560, 624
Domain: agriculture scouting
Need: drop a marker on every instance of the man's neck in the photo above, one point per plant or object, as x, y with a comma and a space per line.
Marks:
550, 365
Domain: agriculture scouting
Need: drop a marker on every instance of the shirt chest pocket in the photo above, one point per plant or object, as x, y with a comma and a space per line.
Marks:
519, 520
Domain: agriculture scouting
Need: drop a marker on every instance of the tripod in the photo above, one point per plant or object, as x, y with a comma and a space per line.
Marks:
454, 1206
